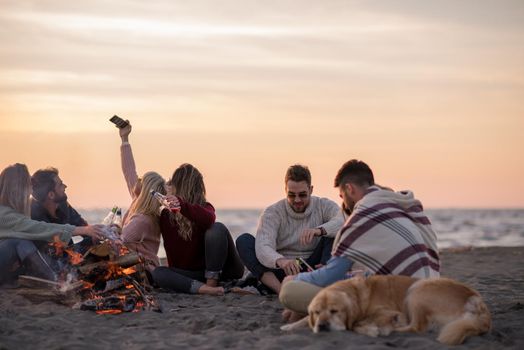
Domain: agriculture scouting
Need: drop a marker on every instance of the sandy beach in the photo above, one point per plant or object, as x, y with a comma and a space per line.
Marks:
252, 322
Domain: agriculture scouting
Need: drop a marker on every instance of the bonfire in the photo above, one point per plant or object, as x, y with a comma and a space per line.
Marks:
107, 279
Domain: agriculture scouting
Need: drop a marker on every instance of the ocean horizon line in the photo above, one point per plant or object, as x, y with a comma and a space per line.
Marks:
262, 208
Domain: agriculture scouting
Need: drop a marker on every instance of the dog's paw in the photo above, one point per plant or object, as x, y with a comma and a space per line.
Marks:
286, 327
302, 323
400, 320
385, 331
370, 330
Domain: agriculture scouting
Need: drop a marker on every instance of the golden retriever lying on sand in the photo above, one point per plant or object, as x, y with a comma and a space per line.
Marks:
379, 305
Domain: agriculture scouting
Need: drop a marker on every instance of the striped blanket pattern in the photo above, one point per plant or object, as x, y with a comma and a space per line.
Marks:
388, 233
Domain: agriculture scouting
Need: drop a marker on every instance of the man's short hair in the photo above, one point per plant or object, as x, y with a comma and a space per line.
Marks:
356, 172
43, 182
298, 173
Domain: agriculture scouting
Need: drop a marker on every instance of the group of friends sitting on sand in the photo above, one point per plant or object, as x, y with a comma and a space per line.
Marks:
303, 243
306, 248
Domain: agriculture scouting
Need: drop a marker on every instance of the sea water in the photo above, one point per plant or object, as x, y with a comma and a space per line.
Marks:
454, 227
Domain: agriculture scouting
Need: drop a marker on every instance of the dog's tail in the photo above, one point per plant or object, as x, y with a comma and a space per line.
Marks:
476, 319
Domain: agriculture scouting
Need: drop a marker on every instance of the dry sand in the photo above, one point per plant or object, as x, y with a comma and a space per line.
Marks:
252, 322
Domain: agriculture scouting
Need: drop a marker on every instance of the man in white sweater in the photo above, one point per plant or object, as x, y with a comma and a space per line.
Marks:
299, 226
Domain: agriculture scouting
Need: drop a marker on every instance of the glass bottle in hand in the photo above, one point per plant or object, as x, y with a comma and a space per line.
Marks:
163, 200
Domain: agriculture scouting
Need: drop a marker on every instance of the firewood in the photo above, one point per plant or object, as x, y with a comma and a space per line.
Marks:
39, 290
40, 283
102, 286
103, 249
35, 282
122, 261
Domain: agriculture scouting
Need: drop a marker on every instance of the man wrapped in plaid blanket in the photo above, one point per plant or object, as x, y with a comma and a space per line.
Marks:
388, 233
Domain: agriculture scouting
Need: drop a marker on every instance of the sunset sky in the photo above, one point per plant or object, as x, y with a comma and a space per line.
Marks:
429, 93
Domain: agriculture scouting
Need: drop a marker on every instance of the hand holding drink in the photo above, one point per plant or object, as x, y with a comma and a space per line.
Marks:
170, 202
174, 203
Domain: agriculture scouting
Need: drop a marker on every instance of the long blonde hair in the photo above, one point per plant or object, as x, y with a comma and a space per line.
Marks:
15, 188
145, 203
188, 184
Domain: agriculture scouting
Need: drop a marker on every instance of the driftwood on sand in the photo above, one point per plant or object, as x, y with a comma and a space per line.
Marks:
39, 290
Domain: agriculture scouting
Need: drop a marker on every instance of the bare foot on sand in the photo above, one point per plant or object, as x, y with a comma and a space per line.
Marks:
211, 282
205, 289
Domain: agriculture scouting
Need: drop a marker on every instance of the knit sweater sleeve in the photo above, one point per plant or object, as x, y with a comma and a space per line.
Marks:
16, 225
331, 216
266, 238
129, 168
203, 216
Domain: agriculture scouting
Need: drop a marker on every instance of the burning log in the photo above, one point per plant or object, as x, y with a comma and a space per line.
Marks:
111, 304
127, 260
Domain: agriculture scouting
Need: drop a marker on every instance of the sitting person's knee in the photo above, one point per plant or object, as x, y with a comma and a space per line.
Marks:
286, 293
219, 227
25, 248
296, 295
245, 240
159, 273
217, 232
287, 279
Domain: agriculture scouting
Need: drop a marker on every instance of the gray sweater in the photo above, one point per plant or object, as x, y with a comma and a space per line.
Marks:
279, 229
16, 225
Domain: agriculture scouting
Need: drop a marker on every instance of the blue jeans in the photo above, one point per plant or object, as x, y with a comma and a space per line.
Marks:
246, 249
334, 270
13, 252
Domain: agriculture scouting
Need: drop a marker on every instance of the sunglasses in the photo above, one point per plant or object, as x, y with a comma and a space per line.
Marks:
300, 195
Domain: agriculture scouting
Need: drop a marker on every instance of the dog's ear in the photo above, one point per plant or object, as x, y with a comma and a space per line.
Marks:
311, 320
311, 311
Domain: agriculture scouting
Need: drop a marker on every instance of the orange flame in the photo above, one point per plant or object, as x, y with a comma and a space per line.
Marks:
76, 258
129, 271
123, 250
58, 245
109, 312
139, 306
88, 285
112, 270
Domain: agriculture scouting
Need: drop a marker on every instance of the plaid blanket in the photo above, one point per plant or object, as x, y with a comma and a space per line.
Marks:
388, 233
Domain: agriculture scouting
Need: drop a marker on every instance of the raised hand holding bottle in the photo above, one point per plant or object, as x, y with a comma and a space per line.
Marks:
170, 202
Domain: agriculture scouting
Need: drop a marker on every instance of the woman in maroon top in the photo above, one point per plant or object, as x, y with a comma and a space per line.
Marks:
200, 251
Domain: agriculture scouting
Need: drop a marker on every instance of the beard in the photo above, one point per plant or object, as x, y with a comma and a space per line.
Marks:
298, 209
347, 208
